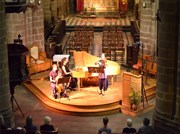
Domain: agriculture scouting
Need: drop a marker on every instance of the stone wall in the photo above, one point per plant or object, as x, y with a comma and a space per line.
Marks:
148, 29
56, 9
30, 24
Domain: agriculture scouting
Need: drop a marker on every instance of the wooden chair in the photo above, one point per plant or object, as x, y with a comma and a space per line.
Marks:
153, 69
37, 60
137, 67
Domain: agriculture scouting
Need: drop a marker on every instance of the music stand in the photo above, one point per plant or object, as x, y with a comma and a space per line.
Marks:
63, 81
96, 69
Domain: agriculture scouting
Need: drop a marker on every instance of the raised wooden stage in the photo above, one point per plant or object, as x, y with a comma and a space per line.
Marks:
85, 102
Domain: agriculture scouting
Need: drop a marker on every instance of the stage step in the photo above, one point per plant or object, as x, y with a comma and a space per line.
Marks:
83, 110
151, 93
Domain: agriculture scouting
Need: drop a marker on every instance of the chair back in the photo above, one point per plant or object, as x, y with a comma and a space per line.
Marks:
34, 52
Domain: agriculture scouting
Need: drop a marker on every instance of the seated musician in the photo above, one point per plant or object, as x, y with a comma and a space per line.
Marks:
68, 73
52, 75
60, 87
103, 81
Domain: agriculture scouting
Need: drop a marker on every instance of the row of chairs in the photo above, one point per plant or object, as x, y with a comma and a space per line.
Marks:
80, 40
149, 66
112, 28
113, 43
84, 28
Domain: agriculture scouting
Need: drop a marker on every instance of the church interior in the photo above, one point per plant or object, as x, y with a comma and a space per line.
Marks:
141, 43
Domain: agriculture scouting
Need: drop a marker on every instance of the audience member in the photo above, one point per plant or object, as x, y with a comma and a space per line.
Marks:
38, 132
129, 129
30, 128
23, 131
2, 125
47, 126
146, 129
105, 129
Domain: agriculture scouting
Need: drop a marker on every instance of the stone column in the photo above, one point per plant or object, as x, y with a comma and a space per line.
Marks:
53, 9
148, 26
67, 7
38, 27
62, 8
72, 8
5, 103
47, 12
167, 110
29, 27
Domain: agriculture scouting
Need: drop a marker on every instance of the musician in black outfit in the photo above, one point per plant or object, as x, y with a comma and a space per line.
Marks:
68, 73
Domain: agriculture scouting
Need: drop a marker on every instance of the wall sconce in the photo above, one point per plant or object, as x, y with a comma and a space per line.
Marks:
144, 5
19, 36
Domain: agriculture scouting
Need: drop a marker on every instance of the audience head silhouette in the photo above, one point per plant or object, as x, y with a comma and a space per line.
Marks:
105, 121
129, 122
1, 120
29, 120
22, 131
146, 122
47, 120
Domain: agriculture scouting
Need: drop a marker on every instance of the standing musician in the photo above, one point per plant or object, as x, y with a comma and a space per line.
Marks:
103, 81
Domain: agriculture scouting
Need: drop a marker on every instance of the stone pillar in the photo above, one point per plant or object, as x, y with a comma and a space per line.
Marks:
67, 7
29, 27
5, 103
148, 26
47, 11
53, 8
38, 28
167, 111
62, 8
72, 8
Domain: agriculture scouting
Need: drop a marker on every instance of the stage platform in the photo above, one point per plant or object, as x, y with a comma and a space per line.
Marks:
97, 22
84, 102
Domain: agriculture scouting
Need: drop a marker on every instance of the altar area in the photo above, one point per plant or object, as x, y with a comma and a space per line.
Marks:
108, 7
101, 5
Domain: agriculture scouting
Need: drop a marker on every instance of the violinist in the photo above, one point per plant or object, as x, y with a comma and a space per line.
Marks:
103, 81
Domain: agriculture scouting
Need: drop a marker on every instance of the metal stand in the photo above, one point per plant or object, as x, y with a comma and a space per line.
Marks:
143, 92
64, 81
13, 99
